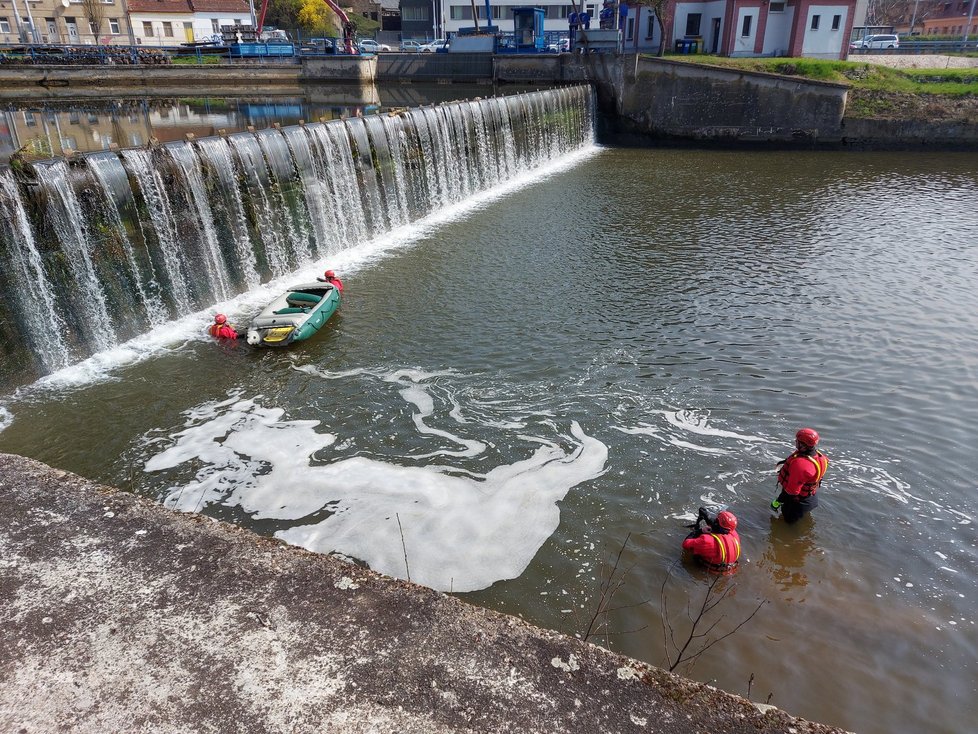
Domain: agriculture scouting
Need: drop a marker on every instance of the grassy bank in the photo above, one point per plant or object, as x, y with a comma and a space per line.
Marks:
878, 91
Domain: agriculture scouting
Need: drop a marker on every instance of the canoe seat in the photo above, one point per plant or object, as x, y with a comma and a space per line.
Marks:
291, 309
298, 297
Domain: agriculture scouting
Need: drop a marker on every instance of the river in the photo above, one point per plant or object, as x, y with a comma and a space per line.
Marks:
516, 385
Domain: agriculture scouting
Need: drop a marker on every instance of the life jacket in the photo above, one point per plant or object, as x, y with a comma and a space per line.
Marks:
820, 461
729, 553
222, 331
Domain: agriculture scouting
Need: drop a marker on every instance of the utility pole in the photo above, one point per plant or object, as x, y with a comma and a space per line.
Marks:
971, 14
913, 20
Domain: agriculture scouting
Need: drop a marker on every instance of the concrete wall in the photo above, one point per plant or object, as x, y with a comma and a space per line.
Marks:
345, 69
661, 99
462, 67
15, 80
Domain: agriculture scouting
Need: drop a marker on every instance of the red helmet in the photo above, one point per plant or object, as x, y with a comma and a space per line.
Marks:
807, 437
330, 274
220, 319
727, 520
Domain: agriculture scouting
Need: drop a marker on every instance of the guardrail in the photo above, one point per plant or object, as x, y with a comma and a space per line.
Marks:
922, 47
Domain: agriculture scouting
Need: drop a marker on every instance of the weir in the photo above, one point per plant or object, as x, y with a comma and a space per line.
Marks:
96, 249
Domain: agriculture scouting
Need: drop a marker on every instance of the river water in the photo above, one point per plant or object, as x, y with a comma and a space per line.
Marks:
519, 384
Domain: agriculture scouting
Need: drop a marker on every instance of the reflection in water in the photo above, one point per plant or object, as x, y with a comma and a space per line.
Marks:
52, 126
785, 555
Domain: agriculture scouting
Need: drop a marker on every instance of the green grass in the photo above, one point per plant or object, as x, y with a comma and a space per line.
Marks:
857, 74
205, 60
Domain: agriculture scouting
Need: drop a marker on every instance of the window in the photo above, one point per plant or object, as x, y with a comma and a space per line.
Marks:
93, 28
30, 119
745, 30
630, 30
776, 8
4, 25
167, 29
693, 24
836, 22
147, 29
114, 26
416, 13
215, 25
650, 26
815, 21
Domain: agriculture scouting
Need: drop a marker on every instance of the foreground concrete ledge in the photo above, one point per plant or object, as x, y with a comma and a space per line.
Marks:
119, 615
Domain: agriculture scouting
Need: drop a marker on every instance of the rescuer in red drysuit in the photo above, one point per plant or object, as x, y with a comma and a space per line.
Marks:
221, 329
330, 277
718, 547
800, 476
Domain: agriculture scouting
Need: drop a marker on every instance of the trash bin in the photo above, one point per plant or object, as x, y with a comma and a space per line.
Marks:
682, 46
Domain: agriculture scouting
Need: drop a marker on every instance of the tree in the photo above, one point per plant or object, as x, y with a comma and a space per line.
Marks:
94, 11
663, 16
315, 16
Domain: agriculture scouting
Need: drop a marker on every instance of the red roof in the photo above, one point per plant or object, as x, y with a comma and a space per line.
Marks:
220, 6
189, 6
159, 6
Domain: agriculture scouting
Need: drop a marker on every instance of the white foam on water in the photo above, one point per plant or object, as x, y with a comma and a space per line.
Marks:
240, 309
6, 418
460, 530
645, 430
698, 423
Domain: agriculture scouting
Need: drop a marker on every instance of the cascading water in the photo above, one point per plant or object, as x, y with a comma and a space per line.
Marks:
94, 249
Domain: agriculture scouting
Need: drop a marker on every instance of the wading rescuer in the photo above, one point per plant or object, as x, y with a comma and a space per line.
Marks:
330, 277
717, 547
221, 329
800, 476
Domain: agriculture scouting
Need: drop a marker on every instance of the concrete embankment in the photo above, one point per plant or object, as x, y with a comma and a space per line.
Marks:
119, 615
657, 101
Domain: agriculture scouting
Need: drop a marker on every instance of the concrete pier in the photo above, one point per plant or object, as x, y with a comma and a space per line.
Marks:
120, 616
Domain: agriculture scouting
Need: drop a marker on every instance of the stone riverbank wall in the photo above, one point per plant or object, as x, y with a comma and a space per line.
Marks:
118, 615
645, 100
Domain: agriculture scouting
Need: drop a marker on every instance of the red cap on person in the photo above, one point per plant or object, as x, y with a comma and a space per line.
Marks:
807, 437
220, 319
727, 520
330, 274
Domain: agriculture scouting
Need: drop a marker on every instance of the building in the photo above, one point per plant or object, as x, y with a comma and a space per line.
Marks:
55, 21
172, 22
748, 27
948, 18
724, 27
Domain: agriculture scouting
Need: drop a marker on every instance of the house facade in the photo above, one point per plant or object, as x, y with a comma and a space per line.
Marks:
724, 27
948, 18
54, 21
747, 27
172, 22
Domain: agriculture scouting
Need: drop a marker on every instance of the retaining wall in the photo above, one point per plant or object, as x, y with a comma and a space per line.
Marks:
660, 99
122, 616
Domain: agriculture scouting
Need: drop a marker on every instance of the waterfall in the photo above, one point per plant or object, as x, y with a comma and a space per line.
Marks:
35, 296
95, 248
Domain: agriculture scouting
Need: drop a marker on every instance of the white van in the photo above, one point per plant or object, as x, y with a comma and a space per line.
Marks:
886, 40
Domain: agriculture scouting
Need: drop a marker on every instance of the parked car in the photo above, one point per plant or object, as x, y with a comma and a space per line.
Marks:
885, 40
561, 46
434, 46
370, 46
411, 47
318, 46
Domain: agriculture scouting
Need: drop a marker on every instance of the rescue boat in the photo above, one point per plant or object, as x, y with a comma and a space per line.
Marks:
294, 316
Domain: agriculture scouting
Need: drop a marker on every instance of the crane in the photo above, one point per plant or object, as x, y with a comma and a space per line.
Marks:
349, 29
